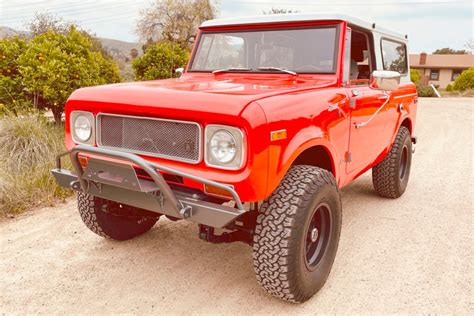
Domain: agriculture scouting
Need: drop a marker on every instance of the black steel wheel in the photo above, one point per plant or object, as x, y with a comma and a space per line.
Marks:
318, 235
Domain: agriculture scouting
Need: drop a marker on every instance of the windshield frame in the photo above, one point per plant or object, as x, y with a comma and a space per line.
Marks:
327, 25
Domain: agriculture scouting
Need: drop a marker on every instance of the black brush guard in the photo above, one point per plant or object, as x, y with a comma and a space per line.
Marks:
120, 183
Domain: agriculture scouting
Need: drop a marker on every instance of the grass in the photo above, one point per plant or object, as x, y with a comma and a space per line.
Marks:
29, 144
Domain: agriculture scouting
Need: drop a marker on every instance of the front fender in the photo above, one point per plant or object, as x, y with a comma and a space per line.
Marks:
283, 155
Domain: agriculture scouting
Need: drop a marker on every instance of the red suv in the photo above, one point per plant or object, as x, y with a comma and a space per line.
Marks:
272, 116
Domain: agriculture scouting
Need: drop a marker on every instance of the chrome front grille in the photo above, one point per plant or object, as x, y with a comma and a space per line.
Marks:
175, 140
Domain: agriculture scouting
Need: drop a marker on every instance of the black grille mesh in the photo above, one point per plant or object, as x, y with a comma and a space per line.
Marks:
169, 139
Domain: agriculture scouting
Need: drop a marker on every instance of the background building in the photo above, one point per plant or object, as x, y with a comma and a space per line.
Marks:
440, 69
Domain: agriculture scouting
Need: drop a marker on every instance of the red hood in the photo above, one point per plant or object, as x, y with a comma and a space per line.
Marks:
227, 94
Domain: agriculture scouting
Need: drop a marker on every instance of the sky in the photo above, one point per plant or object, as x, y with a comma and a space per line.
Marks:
430, 24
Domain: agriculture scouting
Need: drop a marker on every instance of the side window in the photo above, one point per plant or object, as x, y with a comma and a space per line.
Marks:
360, 60
394, 56
456, 73
434, 75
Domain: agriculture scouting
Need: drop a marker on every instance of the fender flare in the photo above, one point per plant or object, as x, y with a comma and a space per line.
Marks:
306, 138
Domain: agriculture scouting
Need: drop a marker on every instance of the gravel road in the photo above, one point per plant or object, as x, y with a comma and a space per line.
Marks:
411, 255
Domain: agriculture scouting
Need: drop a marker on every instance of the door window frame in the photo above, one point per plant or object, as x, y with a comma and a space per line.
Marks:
370, 57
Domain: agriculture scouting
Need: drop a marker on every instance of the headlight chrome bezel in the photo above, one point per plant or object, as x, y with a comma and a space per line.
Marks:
238, 161
88, 115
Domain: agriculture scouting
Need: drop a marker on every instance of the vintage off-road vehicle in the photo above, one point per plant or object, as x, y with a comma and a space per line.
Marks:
272, 116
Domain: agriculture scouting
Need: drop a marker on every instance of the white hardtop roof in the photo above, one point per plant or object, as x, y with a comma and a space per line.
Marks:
299, 17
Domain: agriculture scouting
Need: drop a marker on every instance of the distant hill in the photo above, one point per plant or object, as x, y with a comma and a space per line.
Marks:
119, 50
6, 31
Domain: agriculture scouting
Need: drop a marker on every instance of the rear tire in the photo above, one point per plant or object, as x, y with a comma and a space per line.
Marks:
113, 220
390, 176
297, 234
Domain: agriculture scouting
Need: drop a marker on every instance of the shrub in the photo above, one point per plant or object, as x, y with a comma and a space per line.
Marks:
415, 76
465, 80
449, 88
425, 91
29, 145
160, 61
12, 94
55, 64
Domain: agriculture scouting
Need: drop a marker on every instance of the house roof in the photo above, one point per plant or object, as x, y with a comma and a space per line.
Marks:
442, 61
300, 17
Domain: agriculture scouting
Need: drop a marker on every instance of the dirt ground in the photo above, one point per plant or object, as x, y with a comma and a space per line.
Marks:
411, 255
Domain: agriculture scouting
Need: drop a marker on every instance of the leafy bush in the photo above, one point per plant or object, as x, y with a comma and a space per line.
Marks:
465, 80
44, 71
29, 145
425, 91
160, 61
54, 65
449, 88
11, 86
415, 76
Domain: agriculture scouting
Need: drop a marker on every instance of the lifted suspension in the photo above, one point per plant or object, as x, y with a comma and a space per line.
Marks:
241, 230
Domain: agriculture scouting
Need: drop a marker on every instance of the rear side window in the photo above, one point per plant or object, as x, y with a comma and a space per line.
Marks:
394, 56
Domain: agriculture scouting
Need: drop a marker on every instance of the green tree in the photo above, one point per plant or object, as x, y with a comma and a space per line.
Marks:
159, 61
43, 22
12, 94
174, 20
415, 75
465, 80
449, 51
54, 65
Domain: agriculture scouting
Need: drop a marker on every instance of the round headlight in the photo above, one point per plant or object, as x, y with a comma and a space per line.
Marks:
82, 128
222, 146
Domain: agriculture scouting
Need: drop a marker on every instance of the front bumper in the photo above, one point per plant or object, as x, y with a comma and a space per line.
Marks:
120, 183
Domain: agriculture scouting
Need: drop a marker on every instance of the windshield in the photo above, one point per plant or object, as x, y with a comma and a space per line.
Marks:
302, 50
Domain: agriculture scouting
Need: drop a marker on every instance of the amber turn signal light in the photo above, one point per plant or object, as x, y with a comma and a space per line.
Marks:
210, 189
277, 135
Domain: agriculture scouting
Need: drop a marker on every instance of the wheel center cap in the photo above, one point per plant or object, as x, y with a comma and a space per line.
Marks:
314, 234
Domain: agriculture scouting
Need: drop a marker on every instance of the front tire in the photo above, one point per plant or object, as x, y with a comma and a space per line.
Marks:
390, 176
113, 220
297, 234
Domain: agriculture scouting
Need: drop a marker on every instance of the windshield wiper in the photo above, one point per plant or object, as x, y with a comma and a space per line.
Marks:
231, 69
278, 69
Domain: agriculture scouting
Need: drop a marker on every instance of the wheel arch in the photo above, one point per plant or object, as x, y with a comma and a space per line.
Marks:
408, 124
318, 156
318, 152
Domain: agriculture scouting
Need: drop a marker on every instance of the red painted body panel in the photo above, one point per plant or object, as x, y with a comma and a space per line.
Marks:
258, 104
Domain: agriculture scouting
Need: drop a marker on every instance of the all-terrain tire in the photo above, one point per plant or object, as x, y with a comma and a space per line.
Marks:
280, 242
112, 220
390, 176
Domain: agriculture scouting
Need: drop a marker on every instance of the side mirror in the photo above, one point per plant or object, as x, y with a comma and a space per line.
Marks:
385, 80
179, 71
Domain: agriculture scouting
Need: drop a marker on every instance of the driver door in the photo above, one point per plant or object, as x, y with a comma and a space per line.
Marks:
365, 142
